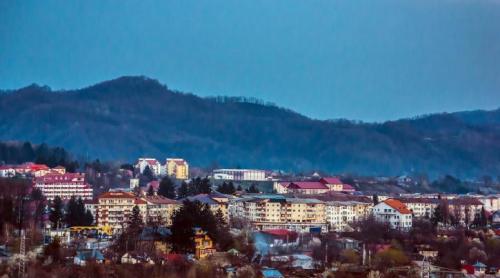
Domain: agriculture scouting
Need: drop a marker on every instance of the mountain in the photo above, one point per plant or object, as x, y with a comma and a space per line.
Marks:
128, 117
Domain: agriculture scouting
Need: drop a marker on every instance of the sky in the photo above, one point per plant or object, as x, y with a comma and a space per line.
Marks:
358, 59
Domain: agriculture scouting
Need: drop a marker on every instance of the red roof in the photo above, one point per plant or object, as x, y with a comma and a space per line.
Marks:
330, 180
281, 233
307, 185
160, 200
347, 187
397, 205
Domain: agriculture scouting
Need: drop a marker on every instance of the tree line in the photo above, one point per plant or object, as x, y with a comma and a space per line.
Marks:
16, 153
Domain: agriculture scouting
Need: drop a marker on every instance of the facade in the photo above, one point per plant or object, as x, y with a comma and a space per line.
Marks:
64, 186
161, 209
177, 168
239, 174
420, 207
204, 246
7, 171
277, 212
393, 212
340, 214
115, 208
152, 163
465, 209
335, 184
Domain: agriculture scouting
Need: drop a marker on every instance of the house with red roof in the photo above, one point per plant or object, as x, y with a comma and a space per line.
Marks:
307, 187
335, 184
393, 212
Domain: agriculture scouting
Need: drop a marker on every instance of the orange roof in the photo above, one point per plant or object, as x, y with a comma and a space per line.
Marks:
397, 205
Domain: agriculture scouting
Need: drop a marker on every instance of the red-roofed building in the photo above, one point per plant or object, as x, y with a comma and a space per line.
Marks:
395, 213
64, 186
335, 184
307, 187
30, 168
114, 209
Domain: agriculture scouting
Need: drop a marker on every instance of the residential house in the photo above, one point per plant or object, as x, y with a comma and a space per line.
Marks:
393, 212
204, 246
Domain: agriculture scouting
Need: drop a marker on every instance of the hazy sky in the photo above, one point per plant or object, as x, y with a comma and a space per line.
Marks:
370, 59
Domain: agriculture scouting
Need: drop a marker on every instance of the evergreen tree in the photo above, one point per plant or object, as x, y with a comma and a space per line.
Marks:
226, 188
205, 186
483, 218
183, 190
239, 188
151, 191
167, 188
189, 216
88, 219
56, 213
253, 189
375, 199
147, 173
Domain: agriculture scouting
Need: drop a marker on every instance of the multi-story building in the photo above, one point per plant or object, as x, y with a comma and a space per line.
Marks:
115, 208
152, 163
239, 174
177, 168
340, 214
161, 209
65, 186
277, 212
420, 207
491, 203
464, 209
393, 212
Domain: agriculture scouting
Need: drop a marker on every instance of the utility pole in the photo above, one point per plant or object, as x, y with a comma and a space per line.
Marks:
22, 255
22, 240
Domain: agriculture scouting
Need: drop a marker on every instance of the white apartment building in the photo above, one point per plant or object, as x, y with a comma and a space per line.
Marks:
420, 207
152, 163
239, 174
65, 186
393, 212
340, 214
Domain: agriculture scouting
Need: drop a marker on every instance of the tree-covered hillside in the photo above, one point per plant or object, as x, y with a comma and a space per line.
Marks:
135, 116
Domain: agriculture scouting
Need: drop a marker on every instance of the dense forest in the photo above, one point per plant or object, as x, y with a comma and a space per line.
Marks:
17, 153
129, 117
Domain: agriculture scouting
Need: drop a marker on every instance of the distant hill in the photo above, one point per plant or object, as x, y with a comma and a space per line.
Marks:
129, 117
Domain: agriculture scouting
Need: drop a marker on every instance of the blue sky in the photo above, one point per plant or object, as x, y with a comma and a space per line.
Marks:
359, 59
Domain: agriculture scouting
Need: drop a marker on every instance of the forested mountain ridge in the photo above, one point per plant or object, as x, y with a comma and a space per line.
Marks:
128, 117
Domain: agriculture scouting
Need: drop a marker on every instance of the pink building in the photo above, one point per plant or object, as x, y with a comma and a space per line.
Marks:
64, 186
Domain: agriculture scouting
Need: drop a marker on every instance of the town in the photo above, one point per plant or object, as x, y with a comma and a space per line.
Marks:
167, 219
